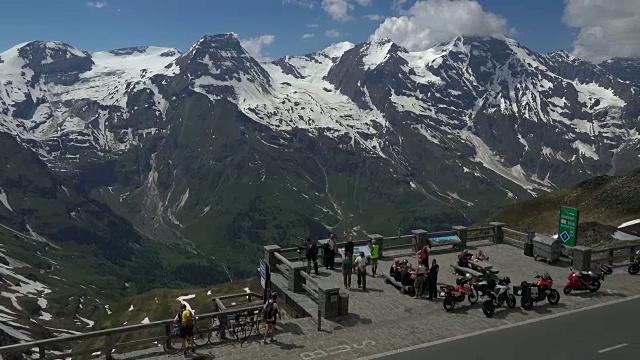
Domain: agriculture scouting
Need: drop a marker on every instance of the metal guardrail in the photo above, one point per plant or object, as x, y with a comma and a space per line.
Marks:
42, 345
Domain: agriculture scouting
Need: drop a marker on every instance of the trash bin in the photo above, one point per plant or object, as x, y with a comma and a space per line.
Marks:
344, 304
528, 249
546, 247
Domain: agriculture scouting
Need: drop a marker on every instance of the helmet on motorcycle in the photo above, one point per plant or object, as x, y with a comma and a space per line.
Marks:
506, 280
468, 276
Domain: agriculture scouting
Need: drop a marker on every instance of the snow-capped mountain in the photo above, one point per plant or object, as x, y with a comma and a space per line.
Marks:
170, 138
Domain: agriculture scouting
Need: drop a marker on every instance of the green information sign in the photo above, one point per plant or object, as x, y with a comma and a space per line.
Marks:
568, 225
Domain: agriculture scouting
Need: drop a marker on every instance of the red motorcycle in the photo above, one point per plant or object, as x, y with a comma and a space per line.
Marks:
587, 280
457, 294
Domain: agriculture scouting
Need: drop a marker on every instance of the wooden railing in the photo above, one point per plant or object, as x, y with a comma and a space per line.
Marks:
399, 242
311, 291
514, 237
283, 265
480, 233
109, 335
614, 254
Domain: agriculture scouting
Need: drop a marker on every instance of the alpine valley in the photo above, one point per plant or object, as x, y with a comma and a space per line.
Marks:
157, 163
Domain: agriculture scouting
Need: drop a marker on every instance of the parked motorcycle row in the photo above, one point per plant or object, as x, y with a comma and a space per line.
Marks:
498, 292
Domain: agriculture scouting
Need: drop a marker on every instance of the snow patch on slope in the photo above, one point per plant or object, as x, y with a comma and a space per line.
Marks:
492, 162
585, 149
590, 93
376, 53
4, 200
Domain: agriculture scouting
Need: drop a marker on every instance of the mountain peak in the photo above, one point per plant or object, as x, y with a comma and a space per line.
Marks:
45, 52
336, 50
219, 38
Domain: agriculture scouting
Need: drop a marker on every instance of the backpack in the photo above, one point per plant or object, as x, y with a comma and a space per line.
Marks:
268, 310
186, 318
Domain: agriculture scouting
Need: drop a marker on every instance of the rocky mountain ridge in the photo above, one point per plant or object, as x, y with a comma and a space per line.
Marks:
211, 139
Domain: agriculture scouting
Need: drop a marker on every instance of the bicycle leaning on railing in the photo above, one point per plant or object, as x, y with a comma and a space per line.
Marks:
173, 343
243, 326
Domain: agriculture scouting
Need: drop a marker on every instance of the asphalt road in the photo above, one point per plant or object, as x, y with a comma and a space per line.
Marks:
607, 333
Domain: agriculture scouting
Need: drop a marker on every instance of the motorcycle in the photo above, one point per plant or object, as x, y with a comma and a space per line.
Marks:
457, 294
538, 291
635, 267
586, 280
501, 293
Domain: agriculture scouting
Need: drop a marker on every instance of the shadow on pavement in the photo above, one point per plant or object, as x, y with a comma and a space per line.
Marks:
503, 312
291, 328
547, 308
353, 320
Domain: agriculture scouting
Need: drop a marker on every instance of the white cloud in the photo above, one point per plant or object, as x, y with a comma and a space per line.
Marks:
429, 22
374, 17
334, 33
312, 25
308, 36
305, 3
337, 9
97, 4
607, 28
255, 45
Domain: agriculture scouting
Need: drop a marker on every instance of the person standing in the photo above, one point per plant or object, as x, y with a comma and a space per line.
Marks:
332, 252
361, 268
185, 319
347, 270
423, 255
348, 247
375, 254
433, 279
312, 256
421, 272
270, 312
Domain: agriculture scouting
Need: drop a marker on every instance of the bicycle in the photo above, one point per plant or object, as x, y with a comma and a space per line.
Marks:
173, 342
245, 325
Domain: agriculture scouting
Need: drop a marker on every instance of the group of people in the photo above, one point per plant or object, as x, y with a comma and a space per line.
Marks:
422, 277
359, 263
465, 256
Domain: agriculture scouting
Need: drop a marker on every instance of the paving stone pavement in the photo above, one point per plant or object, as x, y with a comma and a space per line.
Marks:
383, 319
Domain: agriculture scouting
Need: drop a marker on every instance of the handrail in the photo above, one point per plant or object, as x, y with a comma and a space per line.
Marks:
114, 331
308, 278
283, 259
481, 228
514, 231
400, 237
614, 248
234, 296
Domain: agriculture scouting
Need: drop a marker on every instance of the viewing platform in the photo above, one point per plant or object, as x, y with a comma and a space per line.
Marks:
384, 319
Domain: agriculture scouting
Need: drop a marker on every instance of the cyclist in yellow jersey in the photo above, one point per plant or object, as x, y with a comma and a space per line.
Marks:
375, 255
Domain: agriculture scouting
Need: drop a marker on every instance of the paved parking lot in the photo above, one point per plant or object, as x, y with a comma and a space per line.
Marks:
383, 319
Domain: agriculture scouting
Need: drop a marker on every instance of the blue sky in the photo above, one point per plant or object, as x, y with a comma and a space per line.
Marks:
113, 24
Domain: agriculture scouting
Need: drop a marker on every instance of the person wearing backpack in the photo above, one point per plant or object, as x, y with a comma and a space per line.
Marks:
185, 319
270, 312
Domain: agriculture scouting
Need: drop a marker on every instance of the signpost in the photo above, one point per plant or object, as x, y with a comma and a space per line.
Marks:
265, 278
568, 225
